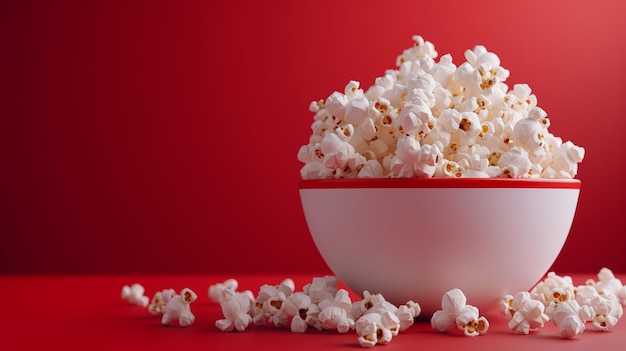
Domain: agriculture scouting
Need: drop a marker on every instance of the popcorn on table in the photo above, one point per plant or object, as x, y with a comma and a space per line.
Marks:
434, 119
569, 307
455, 311
134, 294
319, 305
526, 314
157, 305
177, 308
235, 307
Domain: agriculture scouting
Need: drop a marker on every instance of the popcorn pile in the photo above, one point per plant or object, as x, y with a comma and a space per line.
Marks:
569, 307
434, 119
322, 306
319, 305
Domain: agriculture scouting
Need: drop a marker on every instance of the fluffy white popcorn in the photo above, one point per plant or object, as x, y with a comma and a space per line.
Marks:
553, 289
407, 313
215, 290
608, 283
455, 311
526, 314
269, 303
566, 317
371, 303
336, 314
157, 305
134, 295
303, 312
321, 288
441, 106
235, 307
178, 308
376, 328
606, 311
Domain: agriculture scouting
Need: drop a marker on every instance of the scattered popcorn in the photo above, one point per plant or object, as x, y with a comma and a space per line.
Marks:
569, 307
553, 290
376, 328
455, 312
303, 311
269, 303
177, 307
526, 314
134, 295
567, 318
407, 313
320, 305
157, 305
421, 119
607, 283
336, 314
235, 307
605, 311
215, 290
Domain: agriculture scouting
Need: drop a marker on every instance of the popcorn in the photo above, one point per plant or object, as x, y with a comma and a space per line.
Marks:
269, 303
376, 328
608, 284
553, 289
304, 313
336, 314
178, 308
216, 290
442, 109
235, 307
158, 303
605, 311
455, 312
566, 317
526, 314
134, 295
407, 313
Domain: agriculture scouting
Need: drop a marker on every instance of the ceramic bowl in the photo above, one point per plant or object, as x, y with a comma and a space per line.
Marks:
414, 239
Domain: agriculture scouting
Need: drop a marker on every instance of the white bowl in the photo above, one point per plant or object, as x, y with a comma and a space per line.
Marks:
414, 239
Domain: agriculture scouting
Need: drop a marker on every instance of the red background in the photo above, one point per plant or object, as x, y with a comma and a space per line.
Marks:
161, 136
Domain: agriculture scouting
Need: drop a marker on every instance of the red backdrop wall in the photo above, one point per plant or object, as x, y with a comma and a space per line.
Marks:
161, 136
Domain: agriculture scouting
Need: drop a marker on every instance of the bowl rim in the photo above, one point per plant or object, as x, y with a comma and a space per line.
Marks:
492, 183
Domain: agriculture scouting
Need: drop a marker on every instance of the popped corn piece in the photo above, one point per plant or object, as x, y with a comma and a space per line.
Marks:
407, 313
157, 305
371, 303
526, 314
376, 328
402, 164
336, 315
371, 169
515, 163
567, 319
338, 155
426, 161
235, 307
607, 283
178, 308
356, 110
134, 294
321, 288
455, 312
606, 311
449, 169
302, 310
215, 290
269, 301
544, 290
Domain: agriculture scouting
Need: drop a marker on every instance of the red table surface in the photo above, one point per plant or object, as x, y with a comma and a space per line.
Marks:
87, 312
